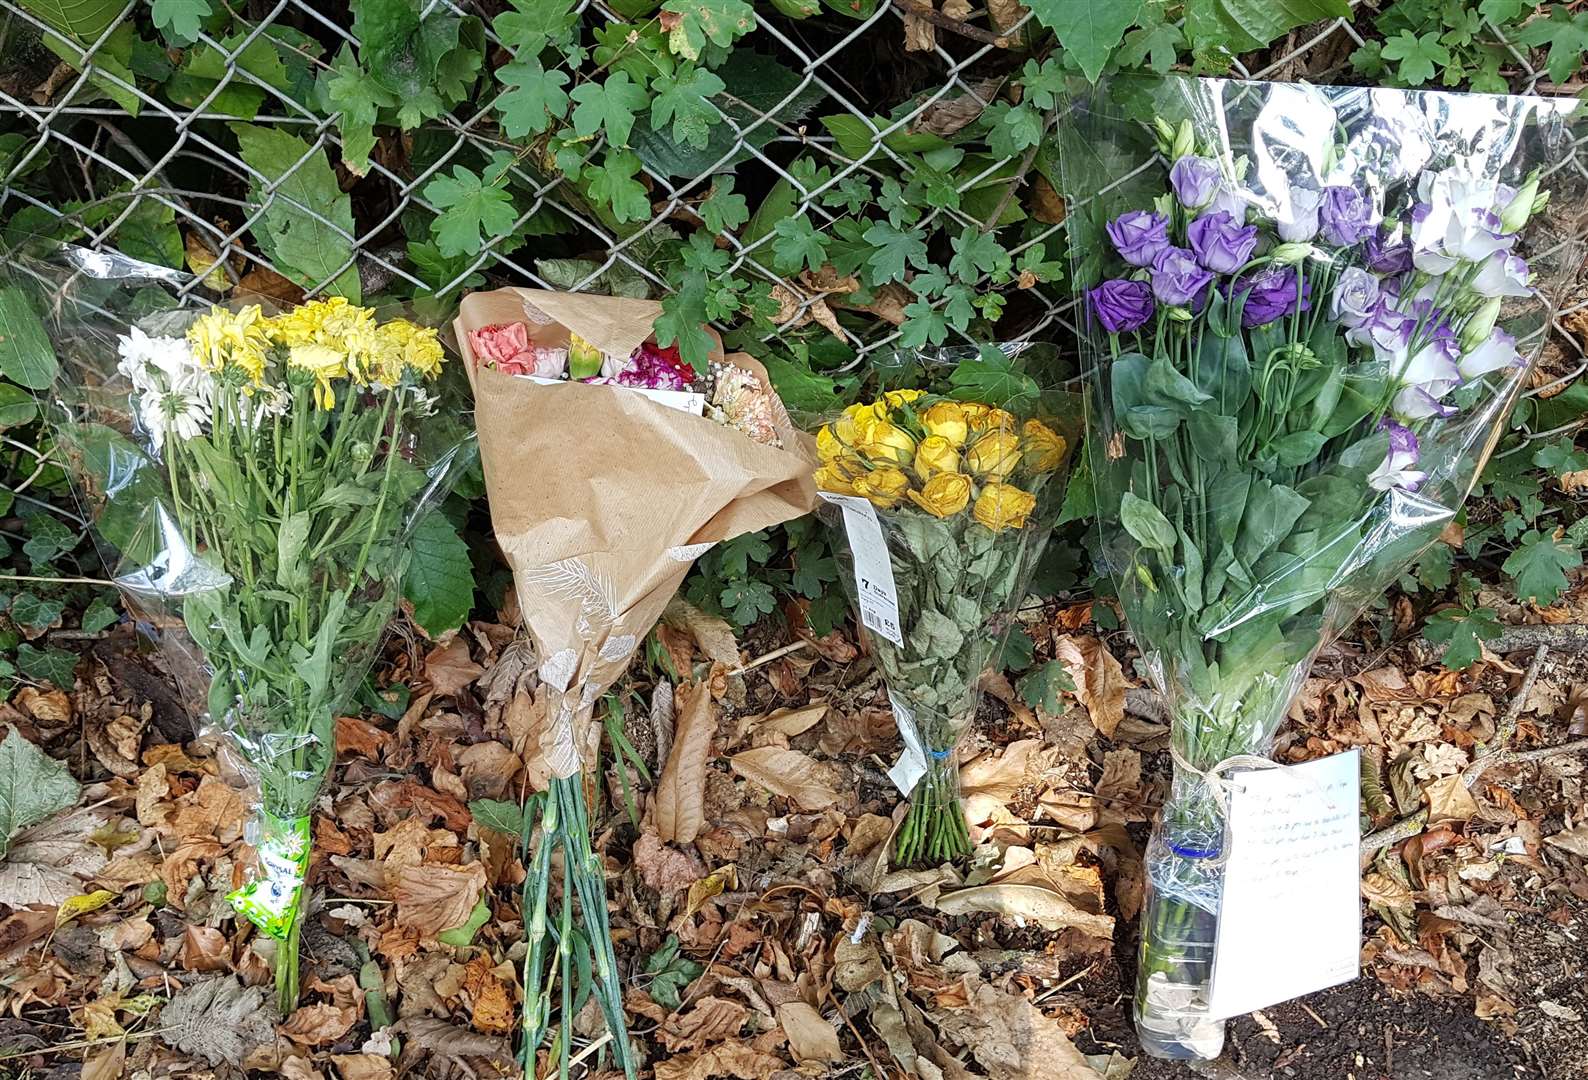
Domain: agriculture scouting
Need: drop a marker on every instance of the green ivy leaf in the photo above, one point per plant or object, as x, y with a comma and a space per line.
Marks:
977, 253
746, 599
439, 581
47, 537
1088, 30
721, 209
534, 24
1565, 34
1044, 687
33, 786
993, 379
53, 666
1539, 565
100, 613
1462, 633
28, 610
1505, 11
347, 89
180, 19
471, 211
1157, 46
686, 102
1560, 456
700, 21
612, 184
683, 322
923, 324
1416, 56
534, 100
895, 248
798, 244
608, 105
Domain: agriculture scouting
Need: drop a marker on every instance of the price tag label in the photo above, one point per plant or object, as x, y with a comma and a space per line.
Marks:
911, 766
879, 598
1293, 837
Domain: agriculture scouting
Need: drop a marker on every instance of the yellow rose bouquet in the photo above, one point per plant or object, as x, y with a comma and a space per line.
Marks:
946, 497
255, 479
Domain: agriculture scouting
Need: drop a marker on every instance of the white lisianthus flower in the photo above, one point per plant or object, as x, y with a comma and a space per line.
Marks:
1396, 470
1503, 274
1499, 351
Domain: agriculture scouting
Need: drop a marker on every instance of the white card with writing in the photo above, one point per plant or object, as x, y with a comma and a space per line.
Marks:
683, 400
1290, 916
911, 766
879, 597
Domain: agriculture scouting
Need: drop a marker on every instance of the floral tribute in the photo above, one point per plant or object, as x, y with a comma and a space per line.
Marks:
1306, 341
963, 492
259, 478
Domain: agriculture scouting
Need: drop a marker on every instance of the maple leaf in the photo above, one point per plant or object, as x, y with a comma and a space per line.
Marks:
609, 105
470, 211
535, 97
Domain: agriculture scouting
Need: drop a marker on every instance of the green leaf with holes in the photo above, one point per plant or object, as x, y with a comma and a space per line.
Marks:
26, 356
700, 21
306, 225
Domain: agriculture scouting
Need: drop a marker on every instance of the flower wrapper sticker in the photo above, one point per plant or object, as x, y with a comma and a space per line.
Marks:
602, 495
273, 899
947, 487
254, 478
1308, 314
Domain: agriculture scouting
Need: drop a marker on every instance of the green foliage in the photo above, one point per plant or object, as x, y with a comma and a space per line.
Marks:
1463, 633
1538, 565
307, 223
439, 584
33, 786
473, 209
670, 973
1044, 687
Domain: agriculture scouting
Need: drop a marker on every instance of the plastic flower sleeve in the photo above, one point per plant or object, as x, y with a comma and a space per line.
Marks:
253, 480
1308, 312
943, 491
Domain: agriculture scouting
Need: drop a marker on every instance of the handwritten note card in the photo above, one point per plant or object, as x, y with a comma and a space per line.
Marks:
1290, 921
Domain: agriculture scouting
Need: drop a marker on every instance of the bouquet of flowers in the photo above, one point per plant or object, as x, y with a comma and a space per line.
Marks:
947, 502
1311, 324
666, 461
257, 476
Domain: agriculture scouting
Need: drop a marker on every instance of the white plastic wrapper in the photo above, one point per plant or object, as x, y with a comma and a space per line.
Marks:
1308, 314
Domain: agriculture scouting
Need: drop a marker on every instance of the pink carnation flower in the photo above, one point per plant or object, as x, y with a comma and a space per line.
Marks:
506, 347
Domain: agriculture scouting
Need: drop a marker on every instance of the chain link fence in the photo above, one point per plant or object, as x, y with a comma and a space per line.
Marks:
65, 113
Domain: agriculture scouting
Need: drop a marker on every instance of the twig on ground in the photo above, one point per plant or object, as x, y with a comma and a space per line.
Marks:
1494, 753
767, 658
1560, 637
1015, 182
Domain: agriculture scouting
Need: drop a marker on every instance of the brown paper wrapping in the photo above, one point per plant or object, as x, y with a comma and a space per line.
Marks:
602, 499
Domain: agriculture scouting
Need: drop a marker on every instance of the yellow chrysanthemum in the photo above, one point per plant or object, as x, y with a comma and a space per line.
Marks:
331, 322
325, 364
236, 339
404, 346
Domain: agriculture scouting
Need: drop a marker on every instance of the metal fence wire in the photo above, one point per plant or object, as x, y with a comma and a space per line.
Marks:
57, 115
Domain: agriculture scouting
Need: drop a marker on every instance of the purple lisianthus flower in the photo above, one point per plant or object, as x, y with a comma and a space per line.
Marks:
1231, 202
1122, 305
1396, 471
1498, 351
1177, 279
1139, 236
1418, 403
1503, 274
1355, 297
1346, 215
1297, 222
1384, 256
1221, 244
1387, 329
1195, 181
1271, 294
1432, 367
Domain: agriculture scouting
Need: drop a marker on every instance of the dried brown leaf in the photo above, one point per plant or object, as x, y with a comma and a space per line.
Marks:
432, 898
795, 776
712, 635
710, 1019
681, 789
204, 948
1449, 800
449, 668
663, 868
809, 1036
319, 1024
1047, 907
1011, 1039
1099, 680
363, 1066
736, 1059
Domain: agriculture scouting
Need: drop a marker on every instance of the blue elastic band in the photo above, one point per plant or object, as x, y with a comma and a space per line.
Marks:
940, 755
1193, 853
